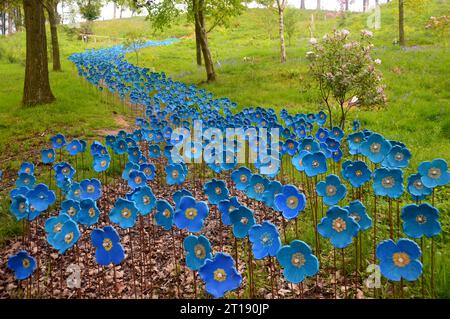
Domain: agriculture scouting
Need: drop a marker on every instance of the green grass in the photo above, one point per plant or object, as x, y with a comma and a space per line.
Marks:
417, 77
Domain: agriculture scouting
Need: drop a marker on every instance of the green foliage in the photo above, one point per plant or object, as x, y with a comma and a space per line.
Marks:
90, 9
291, 18
345, 72
134, 42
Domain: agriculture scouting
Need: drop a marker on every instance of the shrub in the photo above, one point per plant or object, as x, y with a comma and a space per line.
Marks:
346, 73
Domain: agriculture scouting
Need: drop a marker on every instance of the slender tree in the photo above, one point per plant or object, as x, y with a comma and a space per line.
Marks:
281, 6
401, 22
302, 4
53, 19
318, 5
36, 85
216, 12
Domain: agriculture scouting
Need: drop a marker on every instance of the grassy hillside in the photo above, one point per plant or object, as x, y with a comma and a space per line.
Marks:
249, 73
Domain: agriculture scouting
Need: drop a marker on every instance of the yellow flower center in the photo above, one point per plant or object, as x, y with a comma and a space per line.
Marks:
434, 172
220, 275
259, 188
358, 173
57, 228
388, 182
331, 190
26, 263
191, 213
298, 260
50, 155
200, 251
175, 174
243, 178
138, 180
418, 184
103, 163
375, 147
315, 164
218, 190
68, 237
27, 170
399, 156
244, 220
91, 212
339, 225
126, 213
166, 213
421, 219
292, 202
146, 200
90, 189
107, 244
401, 259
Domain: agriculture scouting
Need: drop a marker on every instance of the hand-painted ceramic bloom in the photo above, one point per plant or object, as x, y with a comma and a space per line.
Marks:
399, 260
226, 207
128, 168
398, 157
358, 212
154, 151
198, 249
265, 240
20, 207
164, 214
388, 182
74, 147
298, 261
242, 219
416, 187
48, 156
337, 133
434, 173
63, 170
272, 190
134, 154
66, 237
40, 197
74, 192
148, 170
357, 173
257, 186
124, 213
178, 195
90, 189
220, 275
354, 142
241, 178
422, 220
136, 179
339, 226
216, 191
175, 174
322, 134
144, 200
375, 148
297, 160
22, 264
290, 202
58, 141
309, 144
101, 163
27, 168
315, 164
108, 248
321, 118
89, 213
71, 208
331, 190
290, 147
53, 226
190, 214
25, 180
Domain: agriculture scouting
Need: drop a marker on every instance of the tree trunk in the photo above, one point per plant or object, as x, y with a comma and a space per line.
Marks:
365, 5
318, 5
18, 19
121, 10
203, 37
10, 23
302, 4
3, 17
401, 23
114, 10
346, 5
281, 6
36, 85
51, 7
197, 42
